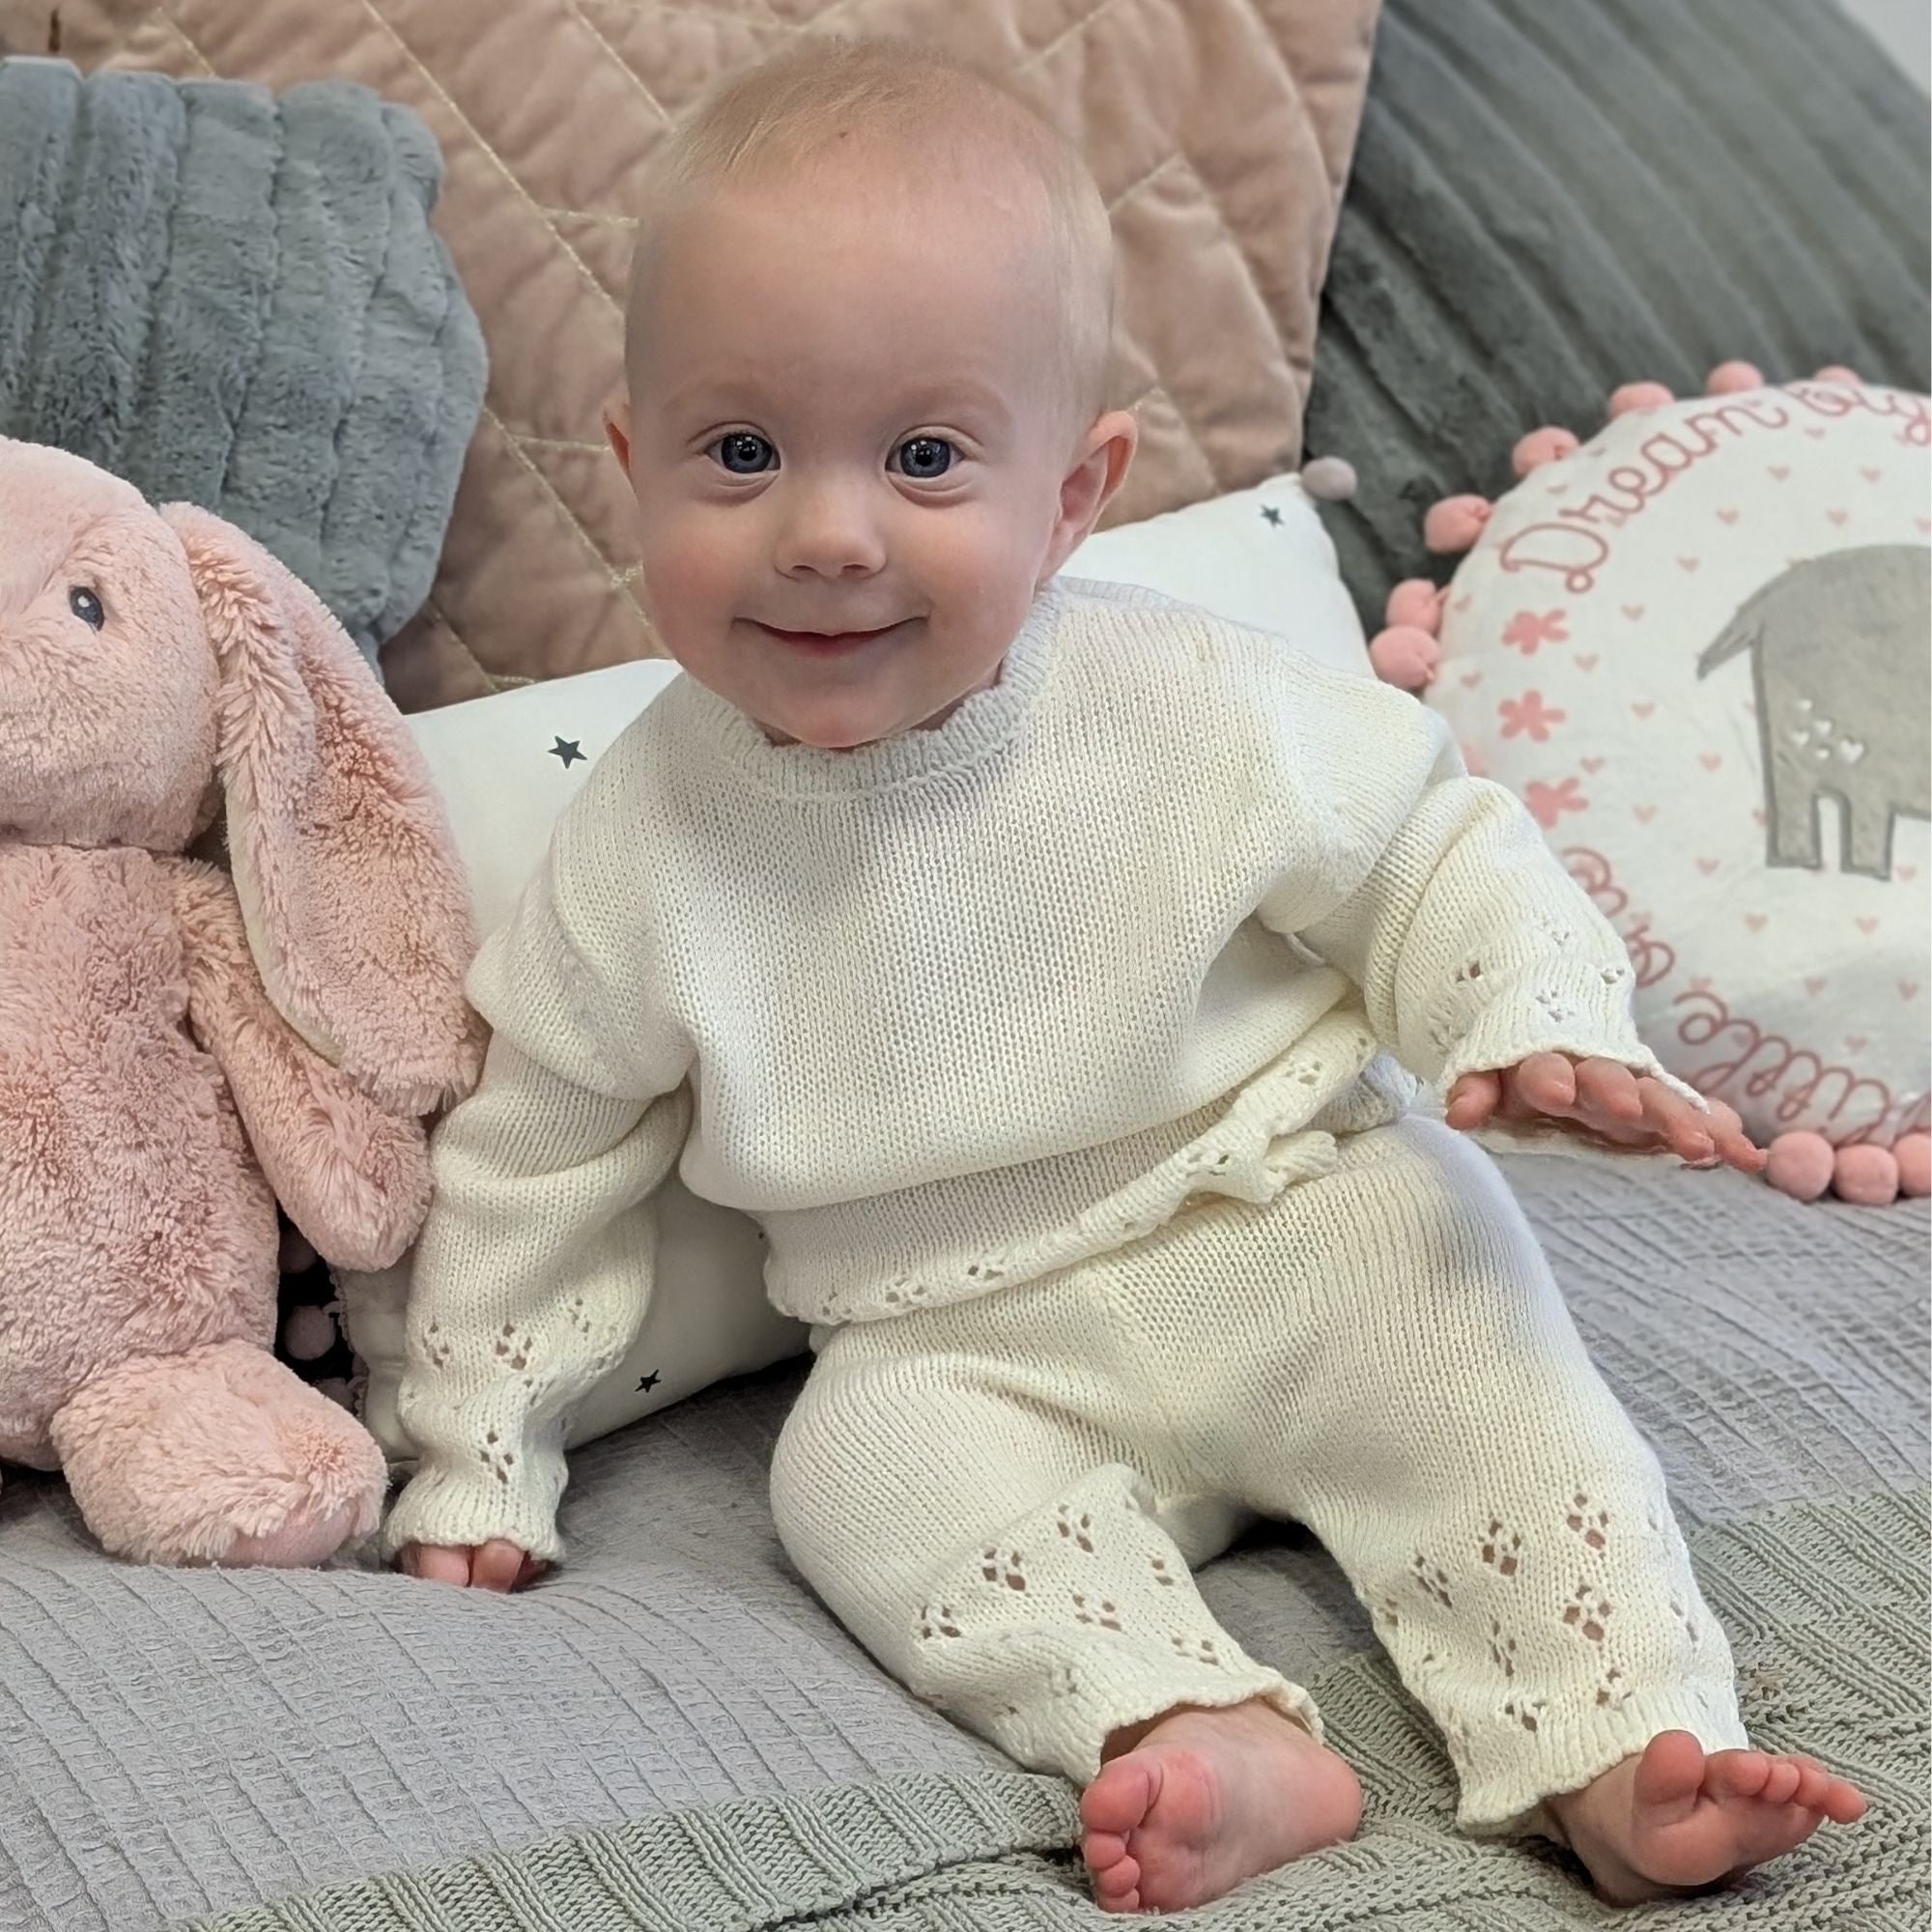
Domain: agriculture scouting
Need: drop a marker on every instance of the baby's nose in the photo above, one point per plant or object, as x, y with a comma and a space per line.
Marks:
828, 531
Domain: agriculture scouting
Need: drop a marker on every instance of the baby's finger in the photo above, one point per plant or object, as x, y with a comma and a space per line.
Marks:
1473, 1100
439, 1566
499, 1566
1611, 1086
1547, 1083
1678, 1124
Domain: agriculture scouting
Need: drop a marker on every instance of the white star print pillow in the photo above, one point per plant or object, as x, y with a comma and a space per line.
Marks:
507, 766
1259, 558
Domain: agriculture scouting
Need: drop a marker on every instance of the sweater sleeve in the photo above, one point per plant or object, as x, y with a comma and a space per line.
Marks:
534, 1268
1437, 895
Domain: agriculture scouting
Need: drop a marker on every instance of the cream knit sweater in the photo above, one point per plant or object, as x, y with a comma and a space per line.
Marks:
1143, 921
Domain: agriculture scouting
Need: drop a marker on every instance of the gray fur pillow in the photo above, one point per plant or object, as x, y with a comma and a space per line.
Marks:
236, 301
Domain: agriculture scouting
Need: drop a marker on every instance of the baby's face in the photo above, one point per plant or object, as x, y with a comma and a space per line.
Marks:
852, 444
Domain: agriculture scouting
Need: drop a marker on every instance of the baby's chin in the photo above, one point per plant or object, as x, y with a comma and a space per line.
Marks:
853, 724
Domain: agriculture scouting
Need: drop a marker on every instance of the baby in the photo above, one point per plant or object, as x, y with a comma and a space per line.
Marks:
1038, 963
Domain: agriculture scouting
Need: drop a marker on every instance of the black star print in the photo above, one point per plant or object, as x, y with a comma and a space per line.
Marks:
568, 749
649, 1382
1269, 511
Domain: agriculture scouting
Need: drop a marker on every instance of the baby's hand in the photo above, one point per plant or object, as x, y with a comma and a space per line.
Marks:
483, 1566
1604, 1099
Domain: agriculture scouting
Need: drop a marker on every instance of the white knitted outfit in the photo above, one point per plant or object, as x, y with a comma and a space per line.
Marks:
976, 1019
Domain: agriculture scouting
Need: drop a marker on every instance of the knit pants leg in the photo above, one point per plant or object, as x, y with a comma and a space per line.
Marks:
1395, 1368
980, 1497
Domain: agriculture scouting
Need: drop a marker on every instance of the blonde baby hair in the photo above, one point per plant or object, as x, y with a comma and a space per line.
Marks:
922, 107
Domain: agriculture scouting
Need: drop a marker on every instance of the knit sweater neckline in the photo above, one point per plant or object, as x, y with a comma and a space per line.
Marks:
981, 724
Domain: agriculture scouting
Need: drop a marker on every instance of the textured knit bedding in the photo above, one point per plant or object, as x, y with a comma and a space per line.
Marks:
181, 1743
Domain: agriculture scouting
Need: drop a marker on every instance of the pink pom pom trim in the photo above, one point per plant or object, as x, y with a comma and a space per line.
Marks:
1456, 523
1547, 444
1807, 1166
1416, 603
1728, 377
1913, 1154
1800, 1165
1405, 655
1638, 396
1867, 1176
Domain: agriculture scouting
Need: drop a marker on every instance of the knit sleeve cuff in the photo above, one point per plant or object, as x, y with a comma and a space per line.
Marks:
451, 1504
1573, 1006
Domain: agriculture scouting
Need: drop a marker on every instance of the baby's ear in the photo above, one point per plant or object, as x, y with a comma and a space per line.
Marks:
1090, 485
617, 428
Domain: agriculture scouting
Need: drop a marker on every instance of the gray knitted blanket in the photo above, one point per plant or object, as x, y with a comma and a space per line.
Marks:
1826, 1602
716, 1753
237, 301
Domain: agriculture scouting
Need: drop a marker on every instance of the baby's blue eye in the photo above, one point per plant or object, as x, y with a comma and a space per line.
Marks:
744, 454
924, 458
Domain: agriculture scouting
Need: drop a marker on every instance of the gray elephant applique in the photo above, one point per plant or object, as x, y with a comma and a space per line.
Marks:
1841, 651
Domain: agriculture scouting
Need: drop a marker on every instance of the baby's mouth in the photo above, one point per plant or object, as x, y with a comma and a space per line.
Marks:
826, 643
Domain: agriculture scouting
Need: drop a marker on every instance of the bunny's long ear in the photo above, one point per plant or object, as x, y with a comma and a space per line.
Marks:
356, 904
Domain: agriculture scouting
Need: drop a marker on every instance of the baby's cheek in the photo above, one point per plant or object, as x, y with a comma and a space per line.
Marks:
692, 576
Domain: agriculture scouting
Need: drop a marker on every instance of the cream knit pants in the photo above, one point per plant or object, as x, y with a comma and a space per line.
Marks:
1003, 1499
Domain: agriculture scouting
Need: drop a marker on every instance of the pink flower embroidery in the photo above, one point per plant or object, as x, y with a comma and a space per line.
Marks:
1551, 802
1529, 715
1527, 630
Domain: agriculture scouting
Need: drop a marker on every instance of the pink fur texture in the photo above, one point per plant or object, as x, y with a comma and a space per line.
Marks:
178, 1049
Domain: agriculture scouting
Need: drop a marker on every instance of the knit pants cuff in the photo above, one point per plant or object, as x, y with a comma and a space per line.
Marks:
1100, 1689
1504, 1789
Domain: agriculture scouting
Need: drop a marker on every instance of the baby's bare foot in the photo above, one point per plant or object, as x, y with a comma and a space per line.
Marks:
1672, 1819
1206, 1799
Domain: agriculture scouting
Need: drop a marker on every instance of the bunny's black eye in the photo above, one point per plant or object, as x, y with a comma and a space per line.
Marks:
85, 606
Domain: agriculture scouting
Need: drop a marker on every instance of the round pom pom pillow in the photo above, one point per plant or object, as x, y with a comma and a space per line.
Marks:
1698, 646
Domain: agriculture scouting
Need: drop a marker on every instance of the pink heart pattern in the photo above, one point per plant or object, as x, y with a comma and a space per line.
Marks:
1644, 813
1583, 663
1814, 987
1908, 989
1755, 921
1710, 761
1856, 1042
1592, 766
1838, 517
1867, 926
1727, 515
1780, 472
1643, 709
1688, 562
1708, 865
1634, 612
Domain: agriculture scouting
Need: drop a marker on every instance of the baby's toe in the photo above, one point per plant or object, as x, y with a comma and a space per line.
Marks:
1844, 1804
1120, 1797
1119, 1890
1781, 1780
1102, 1850
1736, 1773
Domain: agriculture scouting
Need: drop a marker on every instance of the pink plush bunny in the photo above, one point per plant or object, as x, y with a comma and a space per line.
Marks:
181, 1046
